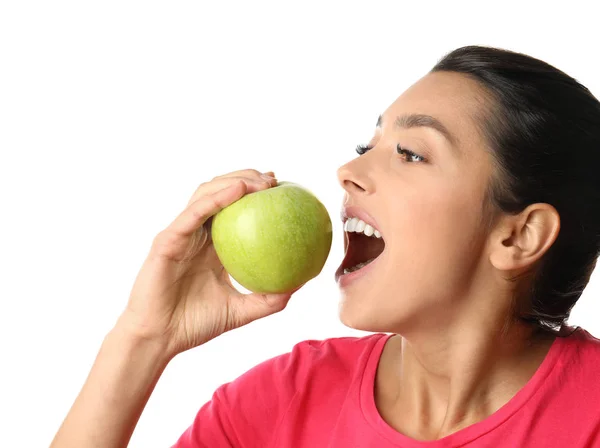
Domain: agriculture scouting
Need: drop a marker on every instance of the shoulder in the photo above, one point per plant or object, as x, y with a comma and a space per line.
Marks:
585, 346
335, 350
312, 370
310, 367
333, 357
579, 361
249, 409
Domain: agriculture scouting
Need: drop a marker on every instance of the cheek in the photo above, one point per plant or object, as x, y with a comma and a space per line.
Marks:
436, 240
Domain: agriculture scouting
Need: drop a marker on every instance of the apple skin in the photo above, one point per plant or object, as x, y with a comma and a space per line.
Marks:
273, 240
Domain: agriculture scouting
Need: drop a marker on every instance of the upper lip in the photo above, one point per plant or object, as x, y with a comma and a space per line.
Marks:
351, 211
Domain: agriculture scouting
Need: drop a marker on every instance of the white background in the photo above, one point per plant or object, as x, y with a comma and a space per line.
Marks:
111, 114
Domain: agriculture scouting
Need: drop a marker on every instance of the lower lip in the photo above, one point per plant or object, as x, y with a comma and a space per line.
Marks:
344, 280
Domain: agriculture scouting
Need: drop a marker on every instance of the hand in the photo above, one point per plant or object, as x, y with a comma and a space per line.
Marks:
182, 295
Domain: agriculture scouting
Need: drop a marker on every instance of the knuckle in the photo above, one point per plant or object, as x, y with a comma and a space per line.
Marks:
197, 209
162, 242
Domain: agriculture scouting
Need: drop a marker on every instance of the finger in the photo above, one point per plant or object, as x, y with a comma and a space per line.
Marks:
247, 173
173, 242
250, 307
251, 173
220, 183
213, 186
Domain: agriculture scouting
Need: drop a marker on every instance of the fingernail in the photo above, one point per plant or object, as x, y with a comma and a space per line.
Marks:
266, 176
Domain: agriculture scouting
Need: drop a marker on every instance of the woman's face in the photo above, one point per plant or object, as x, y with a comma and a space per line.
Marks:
428, 208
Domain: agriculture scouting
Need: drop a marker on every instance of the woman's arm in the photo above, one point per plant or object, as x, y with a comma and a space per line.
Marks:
115, 393
182, 297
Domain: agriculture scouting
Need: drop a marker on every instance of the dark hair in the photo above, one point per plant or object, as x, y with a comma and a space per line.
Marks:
543, 129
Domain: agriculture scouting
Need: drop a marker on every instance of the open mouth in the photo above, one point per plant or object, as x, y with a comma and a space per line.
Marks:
363, 245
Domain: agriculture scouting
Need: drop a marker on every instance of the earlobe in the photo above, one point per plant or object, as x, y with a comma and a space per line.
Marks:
521, 240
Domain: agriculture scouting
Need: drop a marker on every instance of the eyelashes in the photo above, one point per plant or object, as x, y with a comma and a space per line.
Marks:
361, 149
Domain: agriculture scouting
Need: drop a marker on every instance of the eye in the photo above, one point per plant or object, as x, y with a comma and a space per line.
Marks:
411, 157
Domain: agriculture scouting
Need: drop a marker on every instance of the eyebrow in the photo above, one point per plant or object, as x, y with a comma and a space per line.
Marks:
422, 120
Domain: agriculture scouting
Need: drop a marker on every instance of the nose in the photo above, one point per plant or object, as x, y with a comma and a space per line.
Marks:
355, 177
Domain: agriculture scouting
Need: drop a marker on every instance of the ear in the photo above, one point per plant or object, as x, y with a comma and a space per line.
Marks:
518, 241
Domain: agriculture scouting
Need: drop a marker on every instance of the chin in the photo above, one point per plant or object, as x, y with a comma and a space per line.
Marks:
358, 317
384, 316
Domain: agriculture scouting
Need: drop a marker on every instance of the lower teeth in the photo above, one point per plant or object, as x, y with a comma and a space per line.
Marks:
358, 266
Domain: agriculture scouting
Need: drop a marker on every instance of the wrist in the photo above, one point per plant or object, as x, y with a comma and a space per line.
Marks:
134, 338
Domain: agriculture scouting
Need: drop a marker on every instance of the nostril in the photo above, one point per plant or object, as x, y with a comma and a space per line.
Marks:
355, 178
353, 187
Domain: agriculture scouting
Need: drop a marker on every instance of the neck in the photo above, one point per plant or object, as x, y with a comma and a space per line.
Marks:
446, 380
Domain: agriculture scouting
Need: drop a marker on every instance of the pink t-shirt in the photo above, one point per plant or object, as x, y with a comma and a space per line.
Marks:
320, 395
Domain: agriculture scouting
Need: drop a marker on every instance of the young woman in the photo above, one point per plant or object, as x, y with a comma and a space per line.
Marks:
482, 179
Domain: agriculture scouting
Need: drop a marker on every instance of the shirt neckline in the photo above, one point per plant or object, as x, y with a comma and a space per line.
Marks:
465, 435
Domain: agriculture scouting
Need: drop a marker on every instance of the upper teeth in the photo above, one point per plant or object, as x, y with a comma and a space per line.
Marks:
359, 226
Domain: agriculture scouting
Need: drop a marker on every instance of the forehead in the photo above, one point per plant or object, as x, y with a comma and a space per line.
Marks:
454, 99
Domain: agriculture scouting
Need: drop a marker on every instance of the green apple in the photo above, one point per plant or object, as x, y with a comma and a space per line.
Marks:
273, 240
